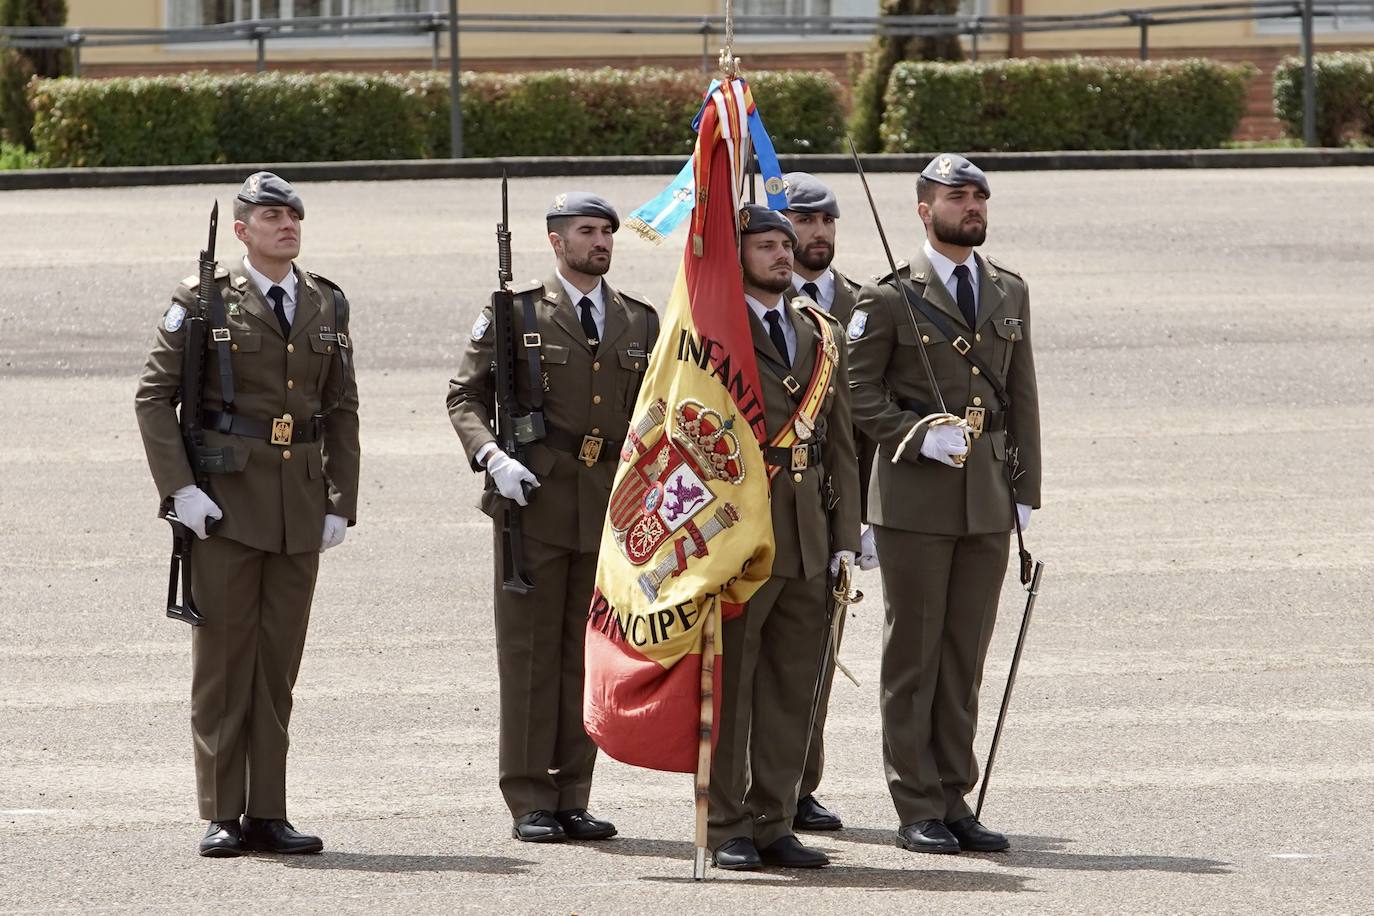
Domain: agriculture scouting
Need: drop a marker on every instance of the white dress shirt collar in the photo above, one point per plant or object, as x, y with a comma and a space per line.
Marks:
944, 269
825, 286
597, 296
789, 333
263, 283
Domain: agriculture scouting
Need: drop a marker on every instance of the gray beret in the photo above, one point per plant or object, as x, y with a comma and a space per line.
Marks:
268, 190
754, 219
807, 194
583, 203
954, 170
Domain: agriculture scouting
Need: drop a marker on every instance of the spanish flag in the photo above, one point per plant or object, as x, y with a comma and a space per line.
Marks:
688, 532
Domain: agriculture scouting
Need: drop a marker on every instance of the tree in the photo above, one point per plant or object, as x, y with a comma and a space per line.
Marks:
19, 65
885, 52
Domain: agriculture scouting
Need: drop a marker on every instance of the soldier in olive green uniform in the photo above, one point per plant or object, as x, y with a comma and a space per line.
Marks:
943, 511
281, 404
773, 648
813, 211
593, 348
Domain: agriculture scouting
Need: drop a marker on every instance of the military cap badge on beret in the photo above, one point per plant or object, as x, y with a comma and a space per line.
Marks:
954, 170
267, 190
754, 219
808, 194
583, 203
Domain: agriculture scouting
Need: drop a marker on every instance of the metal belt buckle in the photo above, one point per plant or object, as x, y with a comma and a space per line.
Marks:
281, 429
791, 384
532, 339
975, 416
801, 457
590, 453
963, 346
220, 335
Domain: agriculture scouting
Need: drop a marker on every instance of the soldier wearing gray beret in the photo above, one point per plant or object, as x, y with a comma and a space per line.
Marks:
582, 203
814, 212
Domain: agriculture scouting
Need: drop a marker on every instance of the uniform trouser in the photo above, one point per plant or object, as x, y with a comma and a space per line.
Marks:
767, 683
815, 753
940, 594
244, 662
546, 758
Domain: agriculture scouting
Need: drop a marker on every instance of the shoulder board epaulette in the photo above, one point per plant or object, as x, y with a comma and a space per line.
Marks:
903, 270
529, 286
1004, 268
319, 278
853, 286
637, 298
801, 302
193, 281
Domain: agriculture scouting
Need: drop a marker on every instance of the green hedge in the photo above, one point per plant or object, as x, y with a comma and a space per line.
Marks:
297, 117
1345, 96
1076, 103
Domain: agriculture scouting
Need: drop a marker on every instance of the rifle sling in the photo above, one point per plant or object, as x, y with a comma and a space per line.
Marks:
219, 335
534, 363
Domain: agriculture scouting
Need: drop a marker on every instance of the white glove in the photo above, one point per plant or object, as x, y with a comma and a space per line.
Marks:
846, 555
335, 527
511, 477
868, 549
1023, 512
195, 508
944, 443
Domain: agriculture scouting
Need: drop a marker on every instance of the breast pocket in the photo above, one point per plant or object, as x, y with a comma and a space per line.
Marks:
1008, 335
321, 358
937, 346
630, 377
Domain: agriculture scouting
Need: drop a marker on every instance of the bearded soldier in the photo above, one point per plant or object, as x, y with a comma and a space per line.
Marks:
943, 507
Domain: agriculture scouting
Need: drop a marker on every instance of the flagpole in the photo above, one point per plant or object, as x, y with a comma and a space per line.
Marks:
703, 776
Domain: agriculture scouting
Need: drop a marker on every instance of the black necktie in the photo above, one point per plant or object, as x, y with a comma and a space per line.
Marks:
967, 304
588, 324
813, 292
775, 332
278, 297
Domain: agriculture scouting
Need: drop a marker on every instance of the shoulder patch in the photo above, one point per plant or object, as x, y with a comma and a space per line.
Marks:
171, 322
481, 325
857, 322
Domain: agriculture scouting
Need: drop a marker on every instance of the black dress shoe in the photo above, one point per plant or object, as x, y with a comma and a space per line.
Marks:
788, 852
538, 827
974, 837
737, 854
276, 835
579, 825
222, 840
811, 815
927, 836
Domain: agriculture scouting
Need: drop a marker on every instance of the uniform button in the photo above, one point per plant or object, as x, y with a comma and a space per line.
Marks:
925, 338
596, 430
596, 399
977, 338
977, 402
290, 383
329, 349
234, 347
286, 455
596, 366
636, 364
290, 348
797, 477
975, 371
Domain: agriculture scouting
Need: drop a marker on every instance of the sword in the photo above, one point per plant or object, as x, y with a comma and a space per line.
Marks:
944, 417
842, 595
1033, 590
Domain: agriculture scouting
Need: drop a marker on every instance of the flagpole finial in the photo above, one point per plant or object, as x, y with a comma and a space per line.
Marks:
729, 63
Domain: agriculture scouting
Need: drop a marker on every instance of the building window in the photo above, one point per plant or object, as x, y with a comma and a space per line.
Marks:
218, 12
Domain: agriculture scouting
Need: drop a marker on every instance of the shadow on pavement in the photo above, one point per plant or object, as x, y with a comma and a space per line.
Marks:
399, 864
839, 876
1048, 852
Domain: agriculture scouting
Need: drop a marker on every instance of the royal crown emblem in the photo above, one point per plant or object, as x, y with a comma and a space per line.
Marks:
707, 439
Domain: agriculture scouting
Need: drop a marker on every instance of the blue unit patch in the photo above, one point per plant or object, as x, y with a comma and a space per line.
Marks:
479, 328
174, 317
857, 322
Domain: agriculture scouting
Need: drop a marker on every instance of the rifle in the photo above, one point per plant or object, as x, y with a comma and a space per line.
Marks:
201, 459
516, 426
